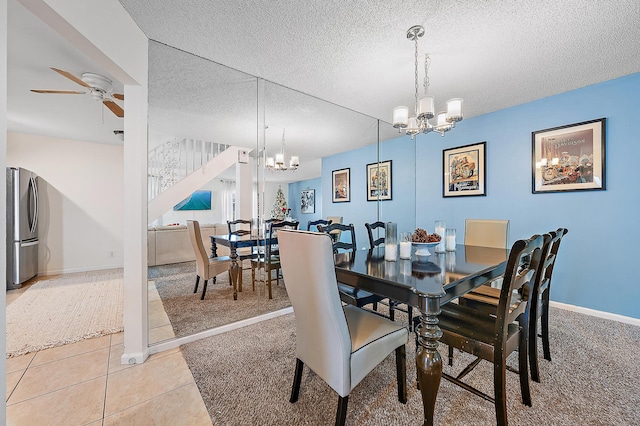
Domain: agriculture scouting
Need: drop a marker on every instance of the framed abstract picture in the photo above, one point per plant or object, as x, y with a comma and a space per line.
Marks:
569, 158
341, 186
463, 171
379, 181
308, 201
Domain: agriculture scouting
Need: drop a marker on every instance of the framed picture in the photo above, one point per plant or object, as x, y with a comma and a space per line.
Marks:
341, 186
308, 201
464, 171
569, 158
379, 181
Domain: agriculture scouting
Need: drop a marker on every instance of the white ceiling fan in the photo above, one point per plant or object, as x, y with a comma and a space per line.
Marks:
99, 88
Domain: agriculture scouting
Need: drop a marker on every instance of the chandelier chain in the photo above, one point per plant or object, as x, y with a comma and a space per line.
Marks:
416, 75
427, 62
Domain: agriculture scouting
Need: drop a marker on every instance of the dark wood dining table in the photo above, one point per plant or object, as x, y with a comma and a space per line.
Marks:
235, 242
426, 286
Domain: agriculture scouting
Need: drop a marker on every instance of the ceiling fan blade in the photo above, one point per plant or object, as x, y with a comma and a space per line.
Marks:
70, 77
114, 107
60, 92
118, 96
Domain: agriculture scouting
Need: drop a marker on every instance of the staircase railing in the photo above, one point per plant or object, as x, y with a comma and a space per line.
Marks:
175, 159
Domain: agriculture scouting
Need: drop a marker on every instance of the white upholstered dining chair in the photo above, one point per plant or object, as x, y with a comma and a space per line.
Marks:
341, 344
206, 268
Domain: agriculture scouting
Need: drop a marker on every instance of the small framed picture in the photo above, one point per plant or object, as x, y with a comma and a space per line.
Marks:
379, 181
341, 186
463, 171
569, 158
308, 201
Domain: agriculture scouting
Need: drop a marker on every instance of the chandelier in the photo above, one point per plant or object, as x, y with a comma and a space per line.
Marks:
424, 107
279, 164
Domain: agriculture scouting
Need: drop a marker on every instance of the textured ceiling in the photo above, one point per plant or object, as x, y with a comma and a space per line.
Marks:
493, 53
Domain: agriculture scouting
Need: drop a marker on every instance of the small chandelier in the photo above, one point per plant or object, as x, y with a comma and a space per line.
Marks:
424, 107
278, 164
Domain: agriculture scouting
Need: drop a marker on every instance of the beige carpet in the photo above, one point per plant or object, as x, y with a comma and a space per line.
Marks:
188, 314
245, 378
65, 310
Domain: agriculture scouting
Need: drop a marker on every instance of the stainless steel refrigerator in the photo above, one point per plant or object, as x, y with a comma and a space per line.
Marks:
22, 226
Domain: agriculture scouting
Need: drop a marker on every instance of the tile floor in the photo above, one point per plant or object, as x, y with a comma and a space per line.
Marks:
85, 384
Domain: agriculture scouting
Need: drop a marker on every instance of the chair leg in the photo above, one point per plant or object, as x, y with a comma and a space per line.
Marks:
375, 306
341, 415
499, 387
392, 310
410, 313
269, 282
204, 290
450, 355
522, 367
297, 379
545, 325
401, 373
532, 343
253, 277
195, 290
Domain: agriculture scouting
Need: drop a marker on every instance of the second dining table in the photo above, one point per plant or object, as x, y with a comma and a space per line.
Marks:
425, 285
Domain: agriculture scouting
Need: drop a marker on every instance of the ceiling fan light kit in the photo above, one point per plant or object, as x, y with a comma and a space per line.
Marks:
424, 108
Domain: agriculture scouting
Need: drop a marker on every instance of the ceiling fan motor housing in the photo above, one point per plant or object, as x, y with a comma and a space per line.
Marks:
100, 85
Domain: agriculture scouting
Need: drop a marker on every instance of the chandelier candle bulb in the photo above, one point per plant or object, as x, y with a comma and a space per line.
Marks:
400, 117
295, 161
426, 108
454, 109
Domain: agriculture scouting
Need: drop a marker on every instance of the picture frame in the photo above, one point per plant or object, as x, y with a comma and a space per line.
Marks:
379, 183
464, 171
341, 185
569, 158
308, 201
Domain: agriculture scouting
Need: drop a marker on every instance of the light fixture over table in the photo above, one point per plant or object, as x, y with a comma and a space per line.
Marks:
424, 107
278, 163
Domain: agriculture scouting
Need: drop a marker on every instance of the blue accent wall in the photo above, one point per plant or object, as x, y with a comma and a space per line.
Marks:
593, 269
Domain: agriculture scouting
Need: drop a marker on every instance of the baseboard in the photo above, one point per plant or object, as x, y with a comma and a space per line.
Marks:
76, 270
174, 343
594, 313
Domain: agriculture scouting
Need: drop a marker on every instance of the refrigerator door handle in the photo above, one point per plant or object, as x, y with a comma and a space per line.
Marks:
33, 210
32, 243
37, 201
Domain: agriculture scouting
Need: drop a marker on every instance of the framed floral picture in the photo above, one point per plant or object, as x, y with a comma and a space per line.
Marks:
379, 181
569, 158
341, 186
463, 171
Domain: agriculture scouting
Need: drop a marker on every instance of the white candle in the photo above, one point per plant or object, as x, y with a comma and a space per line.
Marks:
440, 231
390, 252
451, 242
405, 250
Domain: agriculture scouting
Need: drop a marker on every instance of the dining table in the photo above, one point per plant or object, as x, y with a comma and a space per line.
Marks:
435, 280
235, 242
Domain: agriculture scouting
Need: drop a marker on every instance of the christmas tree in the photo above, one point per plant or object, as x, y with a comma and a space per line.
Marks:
280, 210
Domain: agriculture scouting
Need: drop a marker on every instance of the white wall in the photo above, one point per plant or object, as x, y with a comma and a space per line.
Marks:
81, 192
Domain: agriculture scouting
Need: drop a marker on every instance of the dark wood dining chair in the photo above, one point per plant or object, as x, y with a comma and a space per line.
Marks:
351, 295
487, 298
373, 243
371, 227
241, 228
493, 337
269, 259
315, 223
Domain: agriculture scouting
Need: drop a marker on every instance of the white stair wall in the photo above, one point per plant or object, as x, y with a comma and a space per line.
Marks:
187, 185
